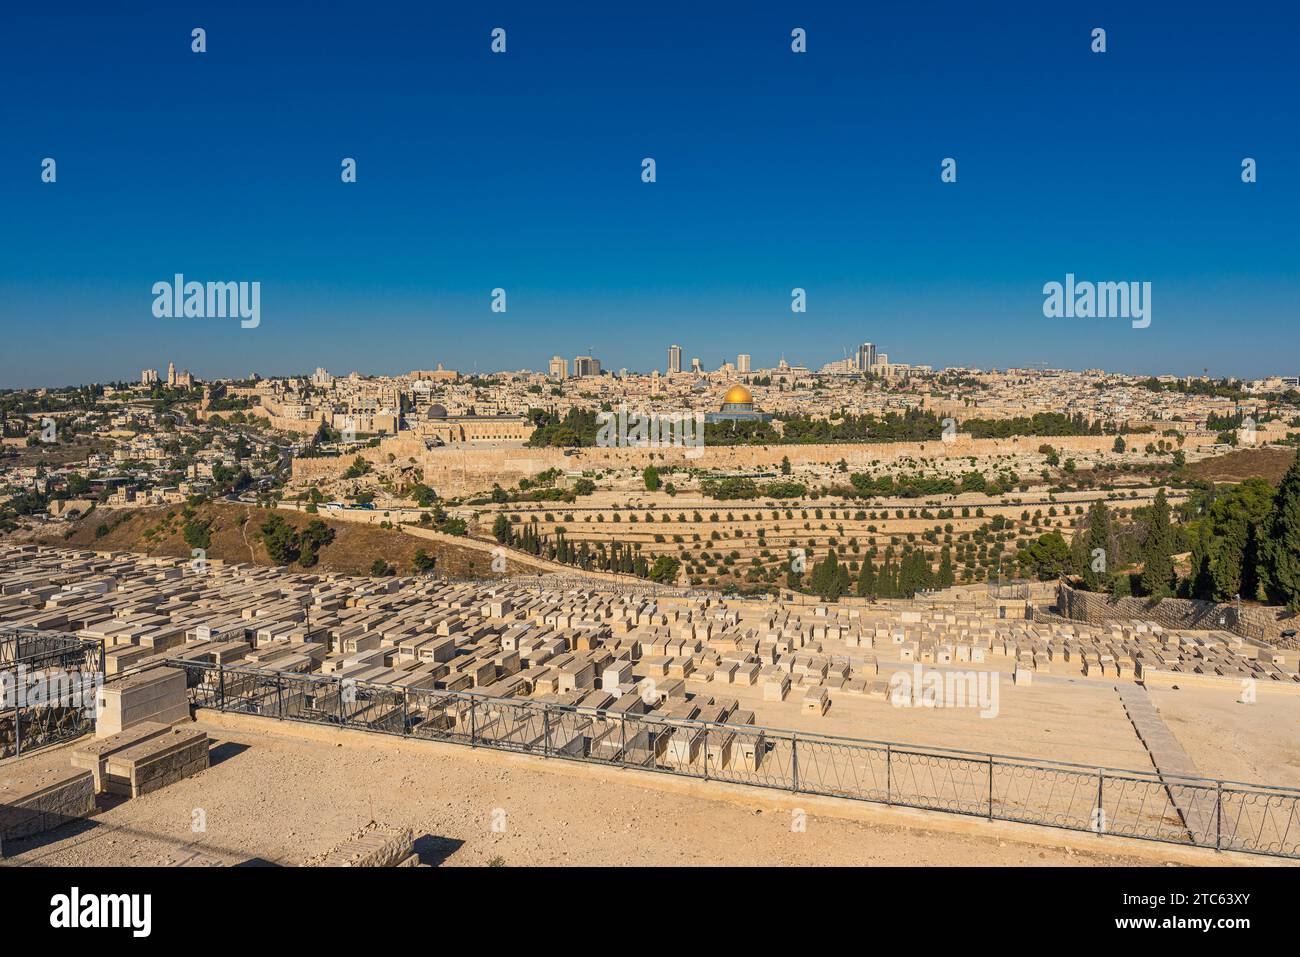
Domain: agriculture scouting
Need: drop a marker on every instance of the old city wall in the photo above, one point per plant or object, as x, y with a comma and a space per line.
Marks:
452, 471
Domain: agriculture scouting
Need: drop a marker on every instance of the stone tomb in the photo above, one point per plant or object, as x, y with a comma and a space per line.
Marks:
376, 847
36, 799
93, 755
156, 762
157, 695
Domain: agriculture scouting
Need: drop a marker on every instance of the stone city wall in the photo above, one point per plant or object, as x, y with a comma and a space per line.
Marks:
460, 471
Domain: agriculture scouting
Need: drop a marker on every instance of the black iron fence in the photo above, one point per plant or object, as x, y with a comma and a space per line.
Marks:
48, 685
1140, 804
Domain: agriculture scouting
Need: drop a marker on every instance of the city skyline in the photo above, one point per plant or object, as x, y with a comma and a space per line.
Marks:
186, 375
549, 367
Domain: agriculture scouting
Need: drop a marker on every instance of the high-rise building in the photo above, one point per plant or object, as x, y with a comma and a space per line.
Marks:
674, 359
559, 367
866, 356
696, 365
742, 363
584, 366
149, 377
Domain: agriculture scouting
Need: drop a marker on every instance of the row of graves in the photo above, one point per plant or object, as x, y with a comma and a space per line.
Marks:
564, 668
1123, 651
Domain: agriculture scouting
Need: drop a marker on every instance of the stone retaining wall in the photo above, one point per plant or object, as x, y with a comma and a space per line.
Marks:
1265, 624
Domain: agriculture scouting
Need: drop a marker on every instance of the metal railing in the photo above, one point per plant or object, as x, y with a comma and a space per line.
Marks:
1141, 804
47, 688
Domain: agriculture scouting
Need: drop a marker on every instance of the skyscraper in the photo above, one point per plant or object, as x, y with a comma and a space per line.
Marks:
584, 366
866, 356
742, 363
559, 367
674, 359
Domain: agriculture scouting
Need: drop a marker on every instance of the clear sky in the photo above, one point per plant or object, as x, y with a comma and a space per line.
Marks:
523, 171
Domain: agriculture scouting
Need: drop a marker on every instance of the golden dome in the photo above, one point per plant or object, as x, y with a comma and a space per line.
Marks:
738, 395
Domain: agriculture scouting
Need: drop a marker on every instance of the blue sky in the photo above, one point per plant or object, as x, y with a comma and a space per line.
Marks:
522, 171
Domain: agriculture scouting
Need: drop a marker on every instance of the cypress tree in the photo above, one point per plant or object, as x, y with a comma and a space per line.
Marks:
1098, 537
1201, 584
1280, 550
1158, 577
946, 575
867, 578
1226, 565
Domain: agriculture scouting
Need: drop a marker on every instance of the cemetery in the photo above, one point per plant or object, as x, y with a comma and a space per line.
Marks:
795, 696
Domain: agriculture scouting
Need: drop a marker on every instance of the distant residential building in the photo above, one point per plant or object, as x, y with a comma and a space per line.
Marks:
149, 377
584, 366
742, 363
866, 356
674, 359
559, 367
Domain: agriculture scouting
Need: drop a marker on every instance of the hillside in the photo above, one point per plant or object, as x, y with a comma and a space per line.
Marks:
1237, 466
234, 538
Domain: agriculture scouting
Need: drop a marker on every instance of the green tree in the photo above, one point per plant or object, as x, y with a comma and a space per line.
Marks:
665, 569
829, 578
198, 533
1227, 562
947, 577
1158, 577
280, 540
1279, 548
1201, 582
866, 578
501, 529
1093, 571
651, 476
1047, 557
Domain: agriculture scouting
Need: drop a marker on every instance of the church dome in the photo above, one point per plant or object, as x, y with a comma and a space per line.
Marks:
738, 395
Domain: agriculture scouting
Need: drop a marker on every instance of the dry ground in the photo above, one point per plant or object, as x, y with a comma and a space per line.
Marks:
1257, 742
1269, 463
283, 793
